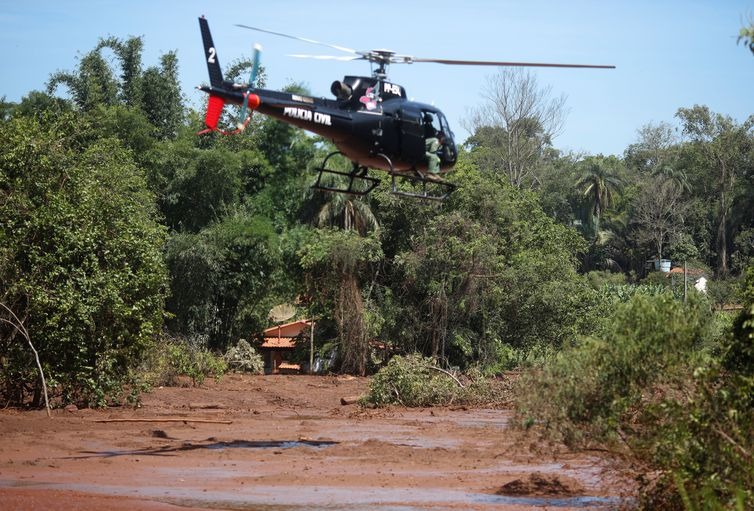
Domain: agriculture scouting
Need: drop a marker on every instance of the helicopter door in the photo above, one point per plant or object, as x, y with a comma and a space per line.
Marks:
412, 136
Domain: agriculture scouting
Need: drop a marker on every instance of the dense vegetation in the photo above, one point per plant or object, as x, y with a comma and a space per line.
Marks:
134, 251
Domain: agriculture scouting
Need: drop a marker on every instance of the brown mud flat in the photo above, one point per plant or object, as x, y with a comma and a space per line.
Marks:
291, 445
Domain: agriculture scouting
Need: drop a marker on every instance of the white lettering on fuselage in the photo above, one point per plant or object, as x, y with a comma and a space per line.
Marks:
391, 88
307, 115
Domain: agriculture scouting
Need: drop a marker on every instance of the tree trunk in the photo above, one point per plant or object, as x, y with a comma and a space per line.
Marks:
350, 320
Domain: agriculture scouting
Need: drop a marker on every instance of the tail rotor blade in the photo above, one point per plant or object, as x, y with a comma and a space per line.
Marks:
252, 79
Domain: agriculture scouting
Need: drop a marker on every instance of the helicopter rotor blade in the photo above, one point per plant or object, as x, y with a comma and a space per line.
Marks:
325, 57
451, 62
304, 39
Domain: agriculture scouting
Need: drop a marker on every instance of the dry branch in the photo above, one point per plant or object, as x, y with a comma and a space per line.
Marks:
449, 374
19, 326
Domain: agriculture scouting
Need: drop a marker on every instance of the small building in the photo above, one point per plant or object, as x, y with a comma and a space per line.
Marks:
695, 277
278, 345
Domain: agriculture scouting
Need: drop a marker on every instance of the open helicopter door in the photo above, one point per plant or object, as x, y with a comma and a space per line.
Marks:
419, 183
412, 136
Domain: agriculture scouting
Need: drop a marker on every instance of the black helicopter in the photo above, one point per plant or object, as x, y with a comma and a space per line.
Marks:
371, 122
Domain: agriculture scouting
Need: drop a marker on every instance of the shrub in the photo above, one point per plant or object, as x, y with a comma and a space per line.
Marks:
80, 260
243, 357
170, 359
414, 380
596, 389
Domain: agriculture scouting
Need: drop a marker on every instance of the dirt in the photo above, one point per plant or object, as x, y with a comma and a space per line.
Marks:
285, 442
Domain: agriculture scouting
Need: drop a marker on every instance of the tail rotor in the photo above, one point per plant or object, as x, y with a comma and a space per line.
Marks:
243, 119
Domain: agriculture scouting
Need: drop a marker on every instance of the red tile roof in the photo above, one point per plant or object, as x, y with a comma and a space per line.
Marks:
694, 272
279, 342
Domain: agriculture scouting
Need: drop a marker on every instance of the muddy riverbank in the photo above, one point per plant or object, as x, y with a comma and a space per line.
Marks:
286, 443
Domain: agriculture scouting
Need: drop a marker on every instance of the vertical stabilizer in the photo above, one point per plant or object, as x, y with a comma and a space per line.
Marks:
210, 53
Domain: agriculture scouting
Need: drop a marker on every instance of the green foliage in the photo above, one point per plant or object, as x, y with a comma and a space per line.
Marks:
81, 259
602, 279
154, 92
414, 380
335, 261
746, 36
170, 359
667, 382
723, 291
598, 388
220, 279
243, 357
489, 269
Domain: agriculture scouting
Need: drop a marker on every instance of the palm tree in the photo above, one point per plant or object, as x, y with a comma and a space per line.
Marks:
600, 184
350, 212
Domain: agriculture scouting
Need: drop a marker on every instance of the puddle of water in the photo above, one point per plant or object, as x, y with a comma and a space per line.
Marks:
557, 502
268, 444
330, 498
172, 450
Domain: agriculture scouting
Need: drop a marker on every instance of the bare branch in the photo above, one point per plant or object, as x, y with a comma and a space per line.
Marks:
19, 326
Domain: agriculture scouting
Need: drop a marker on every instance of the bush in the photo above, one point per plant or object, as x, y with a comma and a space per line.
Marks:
598, 389
80, 260
244, 358
668, 382
414, 380
170, 359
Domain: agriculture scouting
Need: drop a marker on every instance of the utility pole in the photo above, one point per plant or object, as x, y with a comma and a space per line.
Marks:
311, 346
685, 282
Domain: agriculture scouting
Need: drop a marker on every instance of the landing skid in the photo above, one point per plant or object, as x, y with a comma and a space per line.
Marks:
420, 185
358, 175
424, 186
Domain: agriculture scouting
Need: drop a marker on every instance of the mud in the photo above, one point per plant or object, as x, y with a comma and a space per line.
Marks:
291, 446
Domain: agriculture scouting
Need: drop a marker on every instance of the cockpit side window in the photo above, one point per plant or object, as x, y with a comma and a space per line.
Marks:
444, 126
431, 124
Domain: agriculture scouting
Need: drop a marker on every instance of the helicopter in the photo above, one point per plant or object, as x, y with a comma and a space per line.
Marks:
371, 121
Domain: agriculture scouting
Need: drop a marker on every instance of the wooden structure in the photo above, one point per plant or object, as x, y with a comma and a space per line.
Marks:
279, 342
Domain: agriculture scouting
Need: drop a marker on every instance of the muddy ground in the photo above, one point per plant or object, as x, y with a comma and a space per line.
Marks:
286, 443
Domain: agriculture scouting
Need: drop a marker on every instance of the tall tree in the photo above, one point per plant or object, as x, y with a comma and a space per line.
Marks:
599, 181
515, 125
154, 92
725, 148
659, 213
81, 261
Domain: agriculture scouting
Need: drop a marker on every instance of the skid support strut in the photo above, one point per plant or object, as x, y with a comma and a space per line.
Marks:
356, 178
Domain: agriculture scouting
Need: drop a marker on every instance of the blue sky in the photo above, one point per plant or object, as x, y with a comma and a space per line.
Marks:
669, 54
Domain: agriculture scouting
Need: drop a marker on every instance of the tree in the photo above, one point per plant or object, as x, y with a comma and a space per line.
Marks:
658, 214
654, 150
517, 122
486, 274
746, 36
336, 261
344, 210
81, 261
725, 148
221, 279
154, 92
600, 182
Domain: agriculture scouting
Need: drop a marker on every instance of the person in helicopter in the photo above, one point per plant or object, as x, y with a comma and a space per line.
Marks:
433, 145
